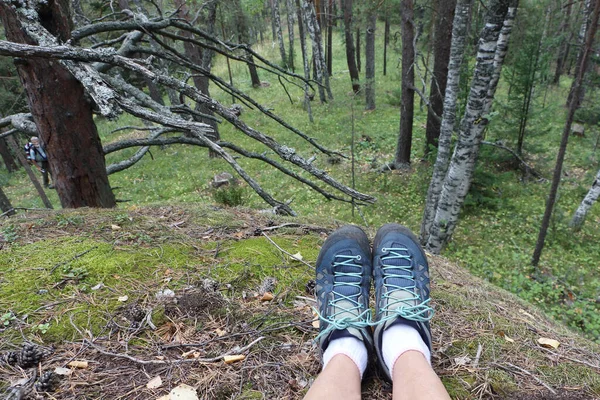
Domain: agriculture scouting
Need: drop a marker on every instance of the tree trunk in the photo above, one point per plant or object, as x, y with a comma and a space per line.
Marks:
586, 10
350, 51
241, 22
386, 41
575, 89
407, 106
290, 22
492, 48
330, 16
305, 63
201, 57
586, 204
66, 127
370, 58
5, 206
457, 51
9, 160
358, 65
312, 26
564, 43
437, 92
277, 17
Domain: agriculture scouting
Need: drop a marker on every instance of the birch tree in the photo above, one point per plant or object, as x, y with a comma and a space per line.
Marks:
441, 48
277, 21
312, 26
587, 203
493, 44
460, 27
290, 22
576, 88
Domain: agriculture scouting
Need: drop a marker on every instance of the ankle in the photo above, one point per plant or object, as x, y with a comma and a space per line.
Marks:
350, 347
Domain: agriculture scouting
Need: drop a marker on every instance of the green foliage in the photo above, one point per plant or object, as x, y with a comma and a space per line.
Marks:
230, 195
7, 318
9, 233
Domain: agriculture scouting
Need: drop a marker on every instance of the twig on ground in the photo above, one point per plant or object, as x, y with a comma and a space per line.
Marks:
478, 356
172, 362
72, 259
572, 359
296, 225
286, 252
512, 368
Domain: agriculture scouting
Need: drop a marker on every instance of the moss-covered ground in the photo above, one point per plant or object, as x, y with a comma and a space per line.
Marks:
94, 285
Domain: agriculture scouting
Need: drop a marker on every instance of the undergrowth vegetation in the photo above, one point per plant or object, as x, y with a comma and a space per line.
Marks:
498, 227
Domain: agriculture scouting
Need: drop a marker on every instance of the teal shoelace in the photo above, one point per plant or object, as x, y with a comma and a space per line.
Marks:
411, 307
362, 319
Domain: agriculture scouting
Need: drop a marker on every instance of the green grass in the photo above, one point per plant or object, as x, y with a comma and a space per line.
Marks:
499, 225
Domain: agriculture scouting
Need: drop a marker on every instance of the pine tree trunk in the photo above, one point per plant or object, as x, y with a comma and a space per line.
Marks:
312, 26
5, 206
437, 91
290, 22
462, 165
350, 51
586, 204
575, 89
457, 50
370, 58
242, 29
305, 63
386, 41
277, 17
586, 10
67, 127
402, 158
358, 65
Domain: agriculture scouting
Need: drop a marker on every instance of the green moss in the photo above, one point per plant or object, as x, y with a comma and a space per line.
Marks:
457, 387
502, 383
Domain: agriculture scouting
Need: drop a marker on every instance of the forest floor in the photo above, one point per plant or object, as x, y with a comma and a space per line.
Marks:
117, 298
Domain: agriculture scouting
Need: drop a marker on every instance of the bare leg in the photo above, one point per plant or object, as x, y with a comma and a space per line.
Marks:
415, 379
339, 380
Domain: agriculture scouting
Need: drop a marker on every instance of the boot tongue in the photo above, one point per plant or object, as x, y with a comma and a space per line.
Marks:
401, 277
346, 290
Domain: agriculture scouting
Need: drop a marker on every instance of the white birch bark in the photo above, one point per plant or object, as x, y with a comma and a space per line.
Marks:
459, 38
460, 171
312, 26
277, 19
305, 65
587, 203
290, 22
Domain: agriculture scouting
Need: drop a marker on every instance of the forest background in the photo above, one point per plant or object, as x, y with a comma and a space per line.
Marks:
502, 213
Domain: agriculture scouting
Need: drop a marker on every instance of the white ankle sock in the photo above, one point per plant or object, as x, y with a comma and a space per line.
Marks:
351, 347
397, 340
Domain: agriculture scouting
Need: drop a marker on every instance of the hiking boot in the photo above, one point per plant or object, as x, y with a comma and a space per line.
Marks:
401, 275
342, 287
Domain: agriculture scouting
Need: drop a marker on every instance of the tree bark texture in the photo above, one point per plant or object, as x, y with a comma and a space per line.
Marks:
290, 22
305, 65
457, 50
312, 26
402, 158
358, 49
575, 89
66, 127
330, 24
386, 41
350, 51
277, 18
370, 58
462, 164
242, 25
586, 12
587, 203
442, 42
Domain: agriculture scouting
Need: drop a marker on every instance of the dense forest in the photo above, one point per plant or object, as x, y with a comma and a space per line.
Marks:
473, 122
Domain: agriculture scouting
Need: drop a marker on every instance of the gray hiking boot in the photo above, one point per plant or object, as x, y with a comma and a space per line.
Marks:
342, 287
401, 275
